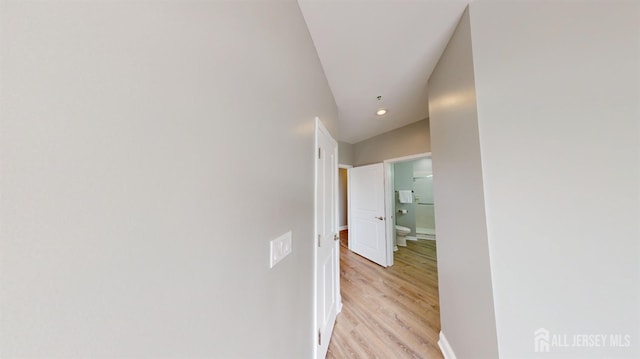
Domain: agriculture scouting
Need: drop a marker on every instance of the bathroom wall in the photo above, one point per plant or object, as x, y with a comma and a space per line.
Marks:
415, 175
403, 180
425, 209
422, 167
423, 188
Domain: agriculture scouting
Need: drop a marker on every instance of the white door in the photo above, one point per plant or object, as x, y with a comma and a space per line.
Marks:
328, 301
366, 203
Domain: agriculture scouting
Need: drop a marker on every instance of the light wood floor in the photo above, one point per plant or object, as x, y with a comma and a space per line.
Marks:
388, 312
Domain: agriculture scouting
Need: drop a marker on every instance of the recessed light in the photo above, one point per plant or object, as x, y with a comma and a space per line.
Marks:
381, 112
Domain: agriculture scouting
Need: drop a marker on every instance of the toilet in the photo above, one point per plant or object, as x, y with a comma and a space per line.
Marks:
401, 235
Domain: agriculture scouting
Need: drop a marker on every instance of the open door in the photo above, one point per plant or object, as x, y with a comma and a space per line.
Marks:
328, 302
366, 202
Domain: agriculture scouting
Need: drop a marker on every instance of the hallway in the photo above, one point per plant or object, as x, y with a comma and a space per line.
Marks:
388, 312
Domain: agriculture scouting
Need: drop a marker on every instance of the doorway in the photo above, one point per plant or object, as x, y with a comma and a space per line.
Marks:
343, 203
409, 203
327, 299
392, 311
380, 216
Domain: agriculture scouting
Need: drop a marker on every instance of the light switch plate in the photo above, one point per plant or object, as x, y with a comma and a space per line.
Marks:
279, 248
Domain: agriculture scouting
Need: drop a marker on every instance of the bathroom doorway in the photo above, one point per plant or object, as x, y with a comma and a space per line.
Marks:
409, 201
408, 289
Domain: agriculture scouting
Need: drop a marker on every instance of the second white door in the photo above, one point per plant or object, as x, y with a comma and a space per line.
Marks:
367, 226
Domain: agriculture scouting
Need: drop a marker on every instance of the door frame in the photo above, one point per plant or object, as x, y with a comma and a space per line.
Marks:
318, 126
344, 167
389, 196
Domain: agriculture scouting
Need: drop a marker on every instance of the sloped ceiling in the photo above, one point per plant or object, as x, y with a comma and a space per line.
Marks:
382, 48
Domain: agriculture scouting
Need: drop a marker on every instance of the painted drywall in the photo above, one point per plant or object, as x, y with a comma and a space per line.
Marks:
131, 224
343, 195
558, 85
403, 180
404, 141
464, 279
345, 153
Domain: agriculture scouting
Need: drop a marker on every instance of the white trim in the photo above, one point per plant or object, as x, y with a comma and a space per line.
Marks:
389, 209
349, 219
445, 347
336, 246
342, 228
408, 158
314, 155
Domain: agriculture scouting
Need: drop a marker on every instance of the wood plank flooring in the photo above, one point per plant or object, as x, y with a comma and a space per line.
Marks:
388, 312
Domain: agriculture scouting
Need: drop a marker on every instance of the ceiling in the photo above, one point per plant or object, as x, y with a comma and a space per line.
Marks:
387, 48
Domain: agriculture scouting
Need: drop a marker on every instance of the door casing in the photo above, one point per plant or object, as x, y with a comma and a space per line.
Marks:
336, 247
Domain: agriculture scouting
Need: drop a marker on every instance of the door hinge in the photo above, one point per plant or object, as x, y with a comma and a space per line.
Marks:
319, 236
319, 337
336, 237
319, 152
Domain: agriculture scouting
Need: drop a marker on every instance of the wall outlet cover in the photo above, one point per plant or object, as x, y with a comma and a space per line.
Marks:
279, 248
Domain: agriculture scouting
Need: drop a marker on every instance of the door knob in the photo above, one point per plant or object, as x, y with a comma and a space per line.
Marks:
380, 218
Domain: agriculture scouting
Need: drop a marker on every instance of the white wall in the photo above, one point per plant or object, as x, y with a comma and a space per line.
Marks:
405, 141
464, 279
559, 114
125, 132
345, 153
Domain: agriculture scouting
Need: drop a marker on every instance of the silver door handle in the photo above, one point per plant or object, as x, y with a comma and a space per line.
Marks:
380, 218
336, 237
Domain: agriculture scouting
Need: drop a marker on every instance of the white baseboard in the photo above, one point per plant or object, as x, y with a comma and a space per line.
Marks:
342, 228
445, 348
423, 230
